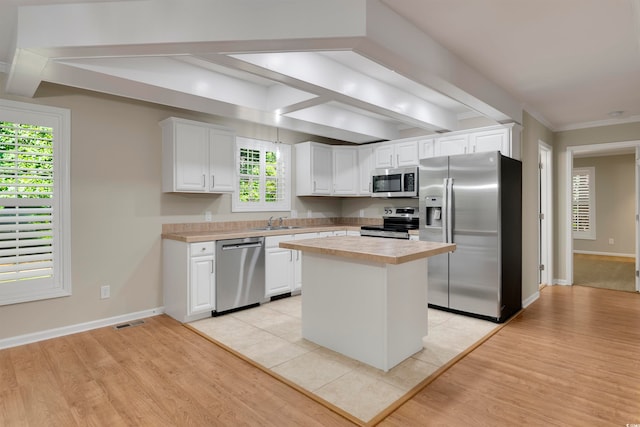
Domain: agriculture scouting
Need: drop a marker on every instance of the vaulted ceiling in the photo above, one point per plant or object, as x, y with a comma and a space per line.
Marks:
358, 70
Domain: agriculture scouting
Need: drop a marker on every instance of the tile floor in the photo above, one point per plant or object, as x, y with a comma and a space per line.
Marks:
271, 336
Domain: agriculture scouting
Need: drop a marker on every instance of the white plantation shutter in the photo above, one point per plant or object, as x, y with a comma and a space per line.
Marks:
263, 172
583, 203
34, 261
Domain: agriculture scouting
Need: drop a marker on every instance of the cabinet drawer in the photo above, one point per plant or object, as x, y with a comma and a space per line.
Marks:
204, 248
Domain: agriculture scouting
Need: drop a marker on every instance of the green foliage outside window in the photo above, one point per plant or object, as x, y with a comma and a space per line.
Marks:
250, 172
26, 161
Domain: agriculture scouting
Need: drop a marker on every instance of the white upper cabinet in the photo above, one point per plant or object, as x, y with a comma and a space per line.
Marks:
313, 169
196, 157
365, 166
503, 138
492, 140
452, 145
426, 148
396, 154
345, 171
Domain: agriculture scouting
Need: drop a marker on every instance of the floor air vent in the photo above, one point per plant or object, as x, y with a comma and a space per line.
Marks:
129, 324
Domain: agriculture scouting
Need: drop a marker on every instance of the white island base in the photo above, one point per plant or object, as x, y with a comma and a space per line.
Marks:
369, 311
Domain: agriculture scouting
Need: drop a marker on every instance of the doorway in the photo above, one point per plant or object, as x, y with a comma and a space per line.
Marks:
598, 253
545, 214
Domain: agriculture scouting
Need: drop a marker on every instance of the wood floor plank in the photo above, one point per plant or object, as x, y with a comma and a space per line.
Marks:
571, 358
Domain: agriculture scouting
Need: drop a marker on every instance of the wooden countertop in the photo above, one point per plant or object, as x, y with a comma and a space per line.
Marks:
375, 249
207, 236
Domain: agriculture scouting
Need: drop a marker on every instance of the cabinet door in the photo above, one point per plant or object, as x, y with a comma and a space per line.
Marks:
202, 285
221, 162
491, 140
383, 156
345, 171
297, 260
406, 153
365, 166
426, 148
191, 157
321, 169
278, 271
451, 145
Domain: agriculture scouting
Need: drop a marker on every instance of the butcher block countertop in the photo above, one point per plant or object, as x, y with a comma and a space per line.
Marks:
374, 249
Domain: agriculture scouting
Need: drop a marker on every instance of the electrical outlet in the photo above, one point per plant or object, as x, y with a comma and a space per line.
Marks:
309, 214
361, 213
294, 213
105, 292
611, 241
207, 216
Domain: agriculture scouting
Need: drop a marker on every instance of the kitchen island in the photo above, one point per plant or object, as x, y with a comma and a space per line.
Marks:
366, 297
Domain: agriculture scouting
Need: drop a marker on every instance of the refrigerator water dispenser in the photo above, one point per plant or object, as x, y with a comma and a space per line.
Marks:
433, 209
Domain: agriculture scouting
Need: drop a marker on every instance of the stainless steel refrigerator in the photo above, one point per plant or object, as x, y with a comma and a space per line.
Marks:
474, 201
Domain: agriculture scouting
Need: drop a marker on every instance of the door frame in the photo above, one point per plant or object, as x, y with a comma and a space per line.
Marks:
596, 148
545, 208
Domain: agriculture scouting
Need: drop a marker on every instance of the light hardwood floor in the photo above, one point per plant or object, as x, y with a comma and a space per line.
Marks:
571, 358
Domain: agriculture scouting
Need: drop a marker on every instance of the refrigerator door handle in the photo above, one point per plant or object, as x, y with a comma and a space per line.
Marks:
445, 203
449, 215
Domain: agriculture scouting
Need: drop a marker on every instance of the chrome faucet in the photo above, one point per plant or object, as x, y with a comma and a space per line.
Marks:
269, 221
280, 220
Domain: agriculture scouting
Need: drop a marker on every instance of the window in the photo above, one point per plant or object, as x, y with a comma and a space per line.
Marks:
583, 204
34, 202
263, 176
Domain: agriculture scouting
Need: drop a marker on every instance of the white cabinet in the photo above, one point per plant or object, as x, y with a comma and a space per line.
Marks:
345, 171
490, 140
451, 145
297, 261
196, 157
188, 279
503, 138
396, 154
313, 169
365, 166
202, 290
283, 267
426, 148
279, 266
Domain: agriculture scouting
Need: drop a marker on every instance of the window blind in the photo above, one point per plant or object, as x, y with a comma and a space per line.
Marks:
26, 202
583, 225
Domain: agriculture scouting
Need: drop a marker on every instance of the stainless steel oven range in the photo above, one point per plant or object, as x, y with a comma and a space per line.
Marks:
396, 223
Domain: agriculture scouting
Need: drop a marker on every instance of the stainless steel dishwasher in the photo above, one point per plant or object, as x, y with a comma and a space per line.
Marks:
239, 273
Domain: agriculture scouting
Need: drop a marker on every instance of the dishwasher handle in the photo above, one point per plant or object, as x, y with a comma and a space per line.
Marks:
247, 245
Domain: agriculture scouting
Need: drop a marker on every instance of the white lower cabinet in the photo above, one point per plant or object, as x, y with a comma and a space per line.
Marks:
279, 266
283, 267
189, 285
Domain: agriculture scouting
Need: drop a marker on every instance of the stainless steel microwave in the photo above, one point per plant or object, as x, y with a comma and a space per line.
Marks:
397, 182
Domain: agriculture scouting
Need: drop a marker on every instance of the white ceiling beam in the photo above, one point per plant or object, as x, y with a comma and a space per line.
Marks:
398, 44
175, 27
354, 88
25, 73
105, 83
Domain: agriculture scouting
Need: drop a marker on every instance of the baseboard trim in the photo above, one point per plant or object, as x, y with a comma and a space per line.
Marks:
529, 300
74, 329
562, 282
605, 253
